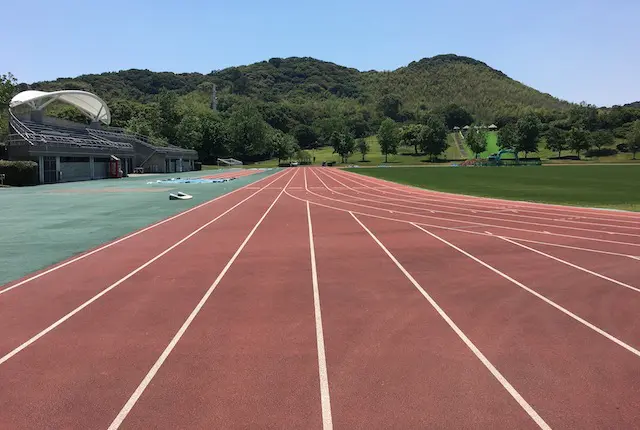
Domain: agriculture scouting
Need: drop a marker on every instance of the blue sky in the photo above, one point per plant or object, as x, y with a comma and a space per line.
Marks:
575, 50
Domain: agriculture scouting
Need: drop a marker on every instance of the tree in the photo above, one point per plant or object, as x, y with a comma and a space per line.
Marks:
284, 145
409, 136
363, 147
305, 135
527, 132
7, 88
556, 140
602, 138
215, 139
476, 141
189, 132
390, 105
633, 140
388, 138
168, 114
343, 144
456, 116
508, 136
433, 138
247, 133
584, 116
578, 140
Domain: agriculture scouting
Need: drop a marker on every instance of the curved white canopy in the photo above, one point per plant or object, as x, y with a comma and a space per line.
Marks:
90, 104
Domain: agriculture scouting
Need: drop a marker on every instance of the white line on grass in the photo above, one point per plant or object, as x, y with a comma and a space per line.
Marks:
327, 422
538, 295
15, 351
495, 372
122, 239
176, 338
575, 266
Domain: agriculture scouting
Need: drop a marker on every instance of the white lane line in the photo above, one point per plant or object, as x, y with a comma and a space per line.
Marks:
594, 239
495, 372
176, 338
327, 421
375, 199
486, 233
33, 339
622, 216
122, 239
575, 266
538, 295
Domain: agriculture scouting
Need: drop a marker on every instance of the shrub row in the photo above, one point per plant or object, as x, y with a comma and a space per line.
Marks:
19, 173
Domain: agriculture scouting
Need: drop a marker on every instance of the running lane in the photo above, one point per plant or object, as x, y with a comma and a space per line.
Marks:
572, 376
30, 307
249, 359
81, 373
392, 361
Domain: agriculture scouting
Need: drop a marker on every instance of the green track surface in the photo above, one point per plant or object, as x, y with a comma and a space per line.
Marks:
43, 225
603, 186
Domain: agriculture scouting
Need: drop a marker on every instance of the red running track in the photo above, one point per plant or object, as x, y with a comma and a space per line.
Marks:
233, 174
318, 298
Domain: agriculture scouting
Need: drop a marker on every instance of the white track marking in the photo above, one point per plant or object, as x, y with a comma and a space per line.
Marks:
480, 217
575, 266
122, 239
33, 339
176, 338
538, 295
495, 372
597, 251
327, 421
594, 239
621, 216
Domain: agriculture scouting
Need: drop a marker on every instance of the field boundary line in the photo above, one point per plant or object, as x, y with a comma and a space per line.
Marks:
129, 236
51, 327
536, 294
122, 415
479, 355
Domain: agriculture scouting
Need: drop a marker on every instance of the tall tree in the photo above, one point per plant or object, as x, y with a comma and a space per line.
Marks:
528, 132
7, 88
305, 135
433, 138
168, 114
189, 132
363, 147
284, 146
508, 136
602, 138
215, 139
388, 138
578, 140
247, 133
633, 139
476, 141
343, 144
556, 140
409, 136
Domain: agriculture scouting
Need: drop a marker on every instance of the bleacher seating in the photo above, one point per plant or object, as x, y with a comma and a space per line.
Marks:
60, 135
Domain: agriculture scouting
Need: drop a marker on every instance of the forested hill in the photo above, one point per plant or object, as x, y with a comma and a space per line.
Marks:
428, 84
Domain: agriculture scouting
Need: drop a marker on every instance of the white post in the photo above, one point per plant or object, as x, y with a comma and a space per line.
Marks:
58, 171
92, 168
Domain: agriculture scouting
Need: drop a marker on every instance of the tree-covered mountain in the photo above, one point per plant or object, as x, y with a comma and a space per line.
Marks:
275, 106
428, 84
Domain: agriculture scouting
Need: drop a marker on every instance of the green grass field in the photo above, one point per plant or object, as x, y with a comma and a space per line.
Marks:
602, 186
492, 146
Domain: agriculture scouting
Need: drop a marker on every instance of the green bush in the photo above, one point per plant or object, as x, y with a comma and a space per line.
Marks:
19, 173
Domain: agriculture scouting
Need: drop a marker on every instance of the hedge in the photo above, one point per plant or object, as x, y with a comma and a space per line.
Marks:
19, 173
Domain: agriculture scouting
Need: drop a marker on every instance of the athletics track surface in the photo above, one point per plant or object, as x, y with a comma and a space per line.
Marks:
318, 298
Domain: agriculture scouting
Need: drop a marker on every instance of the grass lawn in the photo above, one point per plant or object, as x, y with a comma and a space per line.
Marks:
492, 145
602, 186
